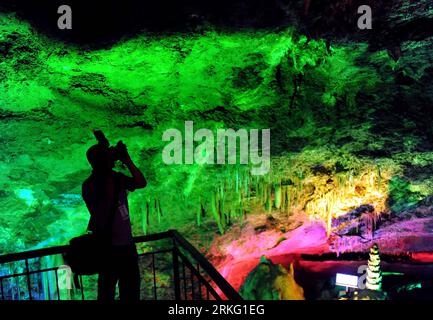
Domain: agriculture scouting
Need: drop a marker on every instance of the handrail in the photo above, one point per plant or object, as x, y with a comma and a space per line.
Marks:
11, 257
154, 237
177, 238
219, 280
25, 255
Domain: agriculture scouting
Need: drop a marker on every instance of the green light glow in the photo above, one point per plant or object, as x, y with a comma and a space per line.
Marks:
26, 195
317, 102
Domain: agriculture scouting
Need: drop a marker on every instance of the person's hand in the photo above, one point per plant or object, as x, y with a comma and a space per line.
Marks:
123, 152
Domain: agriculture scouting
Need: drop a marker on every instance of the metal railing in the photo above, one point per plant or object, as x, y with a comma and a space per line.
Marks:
189, 274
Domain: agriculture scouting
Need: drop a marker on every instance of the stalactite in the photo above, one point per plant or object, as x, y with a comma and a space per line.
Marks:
379, 177
257, 190
199, 213
46, 287
278, 195
157, 209
237, 181
48, 278
49, 287
283, 198
259, 195
203, 210
215, 211
221, 208
239, 202
329, 220
289, 203
248, 186
268, 206
145, 223
241, 209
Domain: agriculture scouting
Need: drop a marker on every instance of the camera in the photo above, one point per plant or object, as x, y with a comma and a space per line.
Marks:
118, 152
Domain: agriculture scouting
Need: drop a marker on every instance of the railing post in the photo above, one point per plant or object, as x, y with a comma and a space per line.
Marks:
29, 286
57, 285
2, 290
176, 277
200, 297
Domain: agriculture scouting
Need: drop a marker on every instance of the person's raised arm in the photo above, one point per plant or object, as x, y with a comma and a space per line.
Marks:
137, 175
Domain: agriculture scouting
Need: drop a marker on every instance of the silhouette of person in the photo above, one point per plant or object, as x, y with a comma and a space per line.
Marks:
105, 195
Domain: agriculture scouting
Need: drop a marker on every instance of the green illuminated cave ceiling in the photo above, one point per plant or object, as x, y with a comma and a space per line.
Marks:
332, 111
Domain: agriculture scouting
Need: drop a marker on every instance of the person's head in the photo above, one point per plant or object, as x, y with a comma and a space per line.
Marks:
100, 158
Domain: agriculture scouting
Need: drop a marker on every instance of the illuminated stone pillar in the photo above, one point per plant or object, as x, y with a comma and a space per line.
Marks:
374, 275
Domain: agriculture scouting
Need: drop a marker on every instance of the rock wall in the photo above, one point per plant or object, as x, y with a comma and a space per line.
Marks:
338, 110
